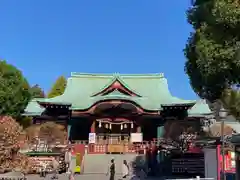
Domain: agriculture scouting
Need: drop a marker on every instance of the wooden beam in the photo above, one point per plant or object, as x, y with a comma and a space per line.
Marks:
52, 105
52, 117
114, 103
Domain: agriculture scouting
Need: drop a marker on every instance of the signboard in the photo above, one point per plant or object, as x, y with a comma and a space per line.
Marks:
92, 138
136, 137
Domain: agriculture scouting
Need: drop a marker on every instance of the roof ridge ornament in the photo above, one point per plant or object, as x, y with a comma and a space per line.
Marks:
115, 77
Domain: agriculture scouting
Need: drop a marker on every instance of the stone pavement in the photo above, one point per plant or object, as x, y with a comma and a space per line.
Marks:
81, 177
99, 163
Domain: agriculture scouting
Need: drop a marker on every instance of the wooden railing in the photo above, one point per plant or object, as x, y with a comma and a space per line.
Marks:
116, 148
121, 147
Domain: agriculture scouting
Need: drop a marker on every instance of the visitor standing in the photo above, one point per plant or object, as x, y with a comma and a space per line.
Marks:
55, 165
111, 170
68, 157
125, 169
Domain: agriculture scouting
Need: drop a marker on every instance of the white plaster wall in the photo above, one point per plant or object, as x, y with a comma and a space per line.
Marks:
211, 163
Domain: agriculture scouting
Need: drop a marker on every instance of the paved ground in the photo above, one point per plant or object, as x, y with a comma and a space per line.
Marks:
81, 177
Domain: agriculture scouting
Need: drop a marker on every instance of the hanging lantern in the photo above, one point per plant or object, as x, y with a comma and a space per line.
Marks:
121, 127
106, 125
100, 124
131, 125
125, 126
110, 126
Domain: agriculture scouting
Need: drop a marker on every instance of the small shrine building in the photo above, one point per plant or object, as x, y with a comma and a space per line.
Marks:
114, 106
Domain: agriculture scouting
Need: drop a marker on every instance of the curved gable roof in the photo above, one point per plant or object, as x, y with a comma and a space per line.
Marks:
153, 89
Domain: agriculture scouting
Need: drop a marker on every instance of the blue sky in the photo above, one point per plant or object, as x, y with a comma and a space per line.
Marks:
49, 38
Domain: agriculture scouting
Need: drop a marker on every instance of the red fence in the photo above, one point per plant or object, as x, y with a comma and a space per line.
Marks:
97, 148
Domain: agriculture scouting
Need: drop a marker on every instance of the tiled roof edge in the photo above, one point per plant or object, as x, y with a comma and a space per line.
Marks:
77, 74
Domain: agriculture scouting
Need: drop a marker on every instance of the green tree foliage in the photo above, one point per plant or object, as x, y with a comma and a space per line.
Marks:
58, 88
212, 50
231, 101
14, 90
25, 121
37, 92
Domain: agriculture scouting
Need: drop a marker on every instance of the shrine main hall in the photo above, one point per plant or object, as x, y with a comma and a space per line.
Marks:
114, 106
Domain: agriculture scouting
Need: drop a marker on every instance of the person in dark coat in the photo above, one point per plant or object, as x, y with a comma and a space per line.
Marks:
111, 170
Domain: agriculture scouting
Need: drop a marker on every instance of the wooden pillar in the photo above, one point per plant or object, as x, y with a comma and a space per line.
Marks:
34, 120
69, 125
69, 132
93, 127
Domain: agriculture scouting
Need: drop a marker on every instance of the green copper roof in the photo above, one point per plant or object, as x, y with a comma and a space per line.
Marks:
200, 109
152, 90
33, 108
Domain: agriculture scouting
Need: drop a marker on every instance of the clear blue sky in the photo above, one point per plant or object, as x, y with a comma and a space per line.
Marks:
49, 38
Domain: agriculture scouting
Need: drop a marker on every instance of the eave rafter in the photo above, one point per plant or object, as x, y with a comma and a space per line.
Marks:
115, 103
178, 106
54, 105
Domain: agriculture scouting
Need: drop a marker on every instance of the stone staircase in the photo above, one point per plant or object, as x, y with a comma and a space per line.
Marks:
99, 163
